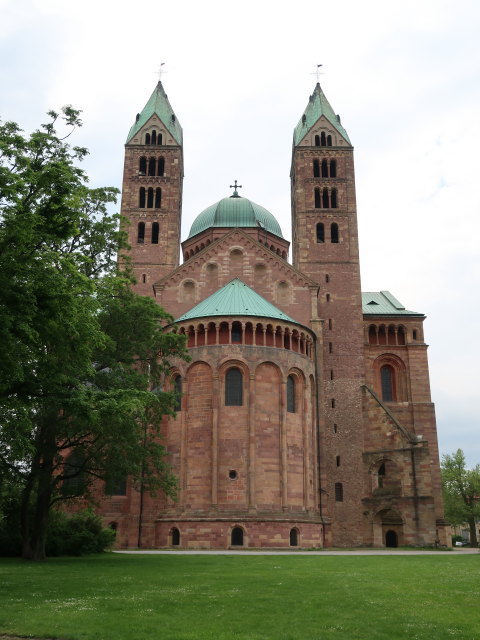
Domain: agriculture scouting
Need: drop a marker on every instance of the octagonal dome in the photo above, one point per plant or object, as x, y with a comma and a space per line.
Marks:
235, 211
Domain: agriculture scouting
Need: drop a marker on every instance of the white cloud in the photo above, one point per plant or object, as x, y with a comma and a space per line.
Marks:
404, 77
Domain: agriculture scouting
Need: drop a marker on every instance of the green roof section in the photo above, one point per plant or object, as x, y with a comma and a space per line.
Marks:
318, 106
235, 211
158, 104
383, 303
235, 299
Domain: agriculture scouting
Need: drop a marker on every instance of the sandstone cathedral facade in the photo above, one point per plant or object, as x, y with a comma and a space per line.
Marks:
304, 416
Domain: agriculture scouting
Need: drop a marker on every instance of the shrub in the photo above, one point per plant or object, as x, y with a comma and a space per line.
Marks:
77, 534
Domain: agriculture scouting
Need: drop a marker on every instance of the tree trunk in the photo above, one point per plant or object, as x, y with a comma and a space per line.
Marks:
34, 527
25, 518
473, 531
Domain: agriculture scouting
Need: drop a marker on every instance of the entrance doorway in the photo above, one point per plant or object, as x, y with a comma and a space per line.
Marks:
391, 538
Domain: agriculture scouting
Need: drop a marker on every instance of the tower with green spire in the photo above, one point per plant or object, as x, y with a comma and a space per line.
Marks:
152, 190
325, 247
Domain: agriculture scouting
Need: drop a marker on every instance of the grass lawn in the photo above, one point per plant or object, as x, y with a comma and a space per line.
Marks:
175, 597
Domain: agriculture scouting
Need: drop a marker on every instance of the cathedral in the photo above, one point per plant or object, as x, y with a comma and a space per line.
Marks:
304, 417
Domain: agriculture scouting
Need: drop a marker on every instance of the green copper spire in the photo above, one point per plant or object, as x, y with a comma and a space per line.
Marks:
158, 104
235, 299
318, 106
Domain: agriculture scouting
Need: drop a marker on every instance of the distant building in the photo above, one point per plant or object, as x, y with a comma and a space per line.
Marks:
305, 417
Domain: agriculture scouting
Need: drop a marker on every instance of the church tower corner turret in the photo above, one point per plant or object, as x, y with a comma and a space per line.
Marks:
152, 191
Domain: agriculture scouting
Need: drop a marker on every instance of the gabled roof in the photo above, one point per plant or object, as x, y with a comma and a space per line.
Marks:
318, 106
235, 299
158, 104
248, 241
383, 303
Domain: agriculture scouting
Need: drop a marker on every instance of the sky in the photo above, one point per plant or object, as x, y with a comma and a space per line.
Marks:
403, 75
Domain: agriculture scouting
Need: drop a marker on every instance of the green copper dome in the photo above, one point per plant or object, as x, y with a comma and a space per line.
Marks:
235, 212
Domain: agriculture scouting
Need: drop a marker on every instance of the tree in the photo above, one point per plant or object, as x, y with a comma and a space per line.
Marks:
461, 489
82, 358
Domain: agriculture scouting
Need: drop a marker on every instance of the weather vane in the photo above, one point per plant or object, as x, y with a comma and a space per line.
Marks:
235, 187
317, 72
160, 71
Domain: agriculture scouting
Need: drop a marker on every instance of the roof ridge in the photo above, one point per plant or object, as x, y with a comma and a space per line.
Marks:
249, 238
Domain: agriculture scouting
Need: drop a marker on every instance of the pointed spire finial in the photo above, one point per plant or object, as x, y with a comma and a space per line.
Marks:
235, 187
160, 71
317, 72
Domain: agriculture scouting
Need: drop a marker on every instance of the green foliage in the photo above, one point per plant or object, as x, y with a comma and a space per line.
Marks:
79, 353
77, 535
10, 498
461, 490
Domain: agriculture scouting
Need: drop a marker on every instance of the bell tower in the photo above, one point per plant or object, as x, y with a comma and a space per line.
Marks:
325, 247
152, 191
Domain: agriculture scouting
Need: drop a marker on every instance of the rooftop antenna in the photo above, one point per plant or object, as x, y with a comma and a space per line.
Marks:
317, 72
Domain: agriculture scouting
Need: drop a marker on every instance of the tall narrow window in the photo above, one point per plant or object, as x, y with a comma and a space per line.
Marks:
141, 233
73, 474
324, 169
386, 376
291, 394
147, 138
177, 387
320, 232
151, 166
150, 198
161, 167
158, 198
317, 141
333, 168
159, 138
381, 475
329, 141
234, 388
154, 137
141, 198
318, 202
334, 232
155, 230
334, 199
338, 492
316, 169
323, 140
142, 166
325, 199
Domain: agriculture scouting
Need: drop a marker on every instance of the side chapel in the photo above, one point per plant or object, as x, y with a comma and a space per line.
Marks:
304, 417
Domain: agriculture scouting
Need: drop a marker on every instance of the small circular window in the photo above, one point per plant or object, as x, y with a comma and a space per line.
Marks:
232, 474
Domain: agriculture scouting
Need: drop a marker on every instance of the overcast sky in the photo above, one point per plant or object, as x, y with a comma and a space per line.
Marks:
404, 77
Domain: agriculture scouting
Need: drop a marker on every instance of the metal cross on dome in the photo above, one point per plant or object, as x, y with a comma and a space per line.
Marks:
235, 187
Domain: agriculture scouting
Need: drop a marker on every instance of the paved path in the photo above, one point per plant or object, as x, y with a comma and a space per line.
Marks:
333, 552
